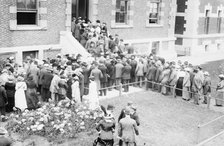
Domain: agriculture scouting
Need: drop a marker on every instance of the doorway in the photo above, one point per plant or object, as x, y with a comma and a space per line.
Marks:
31, 54
80, 8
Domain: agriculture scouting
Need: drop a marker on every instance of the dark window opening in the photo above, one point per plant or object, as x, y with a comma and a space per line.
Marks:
179, 41
219, 22
207, 22
26, 18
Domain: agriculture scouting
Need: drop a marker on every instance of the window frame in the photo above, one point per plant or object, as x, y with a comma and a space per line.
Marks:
26, 10
158, 11
125, 12
207, 20
219, 21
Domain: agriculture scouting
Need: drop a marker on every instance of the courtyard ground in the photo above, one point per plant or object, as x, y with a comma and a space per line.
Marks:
164, 120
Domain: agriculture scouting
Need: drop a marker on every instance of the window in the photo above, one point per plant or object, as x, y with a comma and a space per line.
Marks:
154, 9
219, 21
122, 8
26, 12
206, 21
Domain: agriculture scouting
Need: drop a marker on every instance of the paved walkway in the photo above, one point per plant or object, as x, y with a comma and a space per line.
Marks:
203, 58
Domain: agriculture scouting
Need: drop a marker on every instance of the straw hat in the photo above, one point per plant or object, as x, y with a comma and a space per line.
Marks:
10, 78
187, 69
206, 73
76, 78
20, 79
3, 131
221, 76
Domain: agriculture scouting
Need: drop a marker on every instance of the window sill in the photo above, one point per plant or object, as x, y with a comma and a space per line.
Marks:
154, 25
28, 27
122, 26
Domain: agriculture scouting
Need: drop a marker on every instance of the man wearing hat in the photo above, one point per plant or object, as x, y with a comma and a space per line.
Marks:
3, 101
151, 75
46, 82
206, 87
127, 129
196, 86
133, 115
186, 85
172, 79
220, 90
10, 91
86, 74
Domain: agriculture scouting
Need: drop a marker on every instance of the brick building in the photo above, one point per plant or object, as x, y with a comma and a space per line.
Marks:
199, 26
147, 24
38, 28
41, 28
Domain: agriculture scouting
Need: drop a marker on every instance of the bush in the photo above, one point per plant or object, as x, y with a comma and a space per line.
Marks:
56, 123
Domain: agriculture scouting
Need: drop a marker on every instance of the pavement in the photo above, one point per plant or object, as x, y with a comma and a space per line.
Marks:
202, 58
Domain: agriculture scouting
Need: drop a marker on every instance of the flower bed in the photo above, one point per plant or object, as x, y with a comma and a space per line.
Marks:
56, 123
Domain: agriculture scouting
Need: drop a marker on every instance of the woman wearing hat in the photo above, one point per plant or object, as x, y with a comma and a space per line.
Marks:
20, 97
220, 91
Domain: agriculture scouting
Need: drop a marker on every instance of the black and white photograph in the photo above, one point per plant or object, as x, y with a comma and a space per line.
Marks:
111, 72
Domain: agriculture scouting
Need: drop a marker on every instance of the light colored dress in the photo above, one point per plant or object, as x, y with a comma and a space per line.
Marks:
93, 96
76, 92
20, 97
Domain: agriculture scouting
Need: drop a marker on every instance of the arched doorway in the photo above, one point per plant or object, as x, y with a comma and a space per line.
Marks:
80, 8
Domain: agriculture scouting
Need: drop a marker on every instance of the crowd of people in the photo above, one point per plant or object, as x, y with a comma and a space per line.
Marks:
114, 67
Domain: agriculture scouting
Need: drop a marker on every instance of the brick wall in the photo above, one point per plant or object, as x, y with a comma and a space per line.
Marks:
214, 3
213, 19
51, 53
5, 34
4, 56
139, 29
55, 23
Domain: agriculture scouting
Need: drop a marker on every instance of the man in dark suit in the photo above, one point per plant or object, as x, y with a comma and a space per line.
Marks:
159, 70
118, 72
46, 82
151, 74
126, 76
111, 73
103, 80
86, 74
133, 64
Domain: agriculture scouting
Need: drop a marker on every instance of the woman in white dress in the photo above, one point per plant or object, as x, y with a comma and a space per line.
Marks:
93, 95
20, 97
76, 90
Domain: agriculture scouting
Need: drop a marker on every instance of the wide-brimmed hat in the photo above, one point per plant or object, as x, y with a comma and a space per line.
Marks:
221, 76
3, 131
187, 69
20, 79
76, 78
10, 78
206, 73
